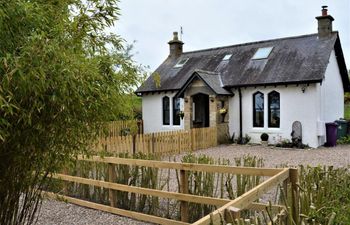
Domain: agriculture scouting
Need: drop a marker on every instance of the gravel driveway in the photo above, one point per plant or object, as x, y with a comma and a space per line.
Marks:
60, 213
338, 156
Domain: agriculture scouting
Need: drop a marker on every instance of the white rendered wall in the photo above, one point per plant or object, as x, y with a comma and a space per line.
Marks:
152, 113
332, 92
294, 106
331, 95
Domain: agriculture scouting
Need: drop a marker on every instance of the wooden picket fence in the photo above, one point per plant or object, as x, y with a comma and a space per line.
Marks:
124, 127
162, 143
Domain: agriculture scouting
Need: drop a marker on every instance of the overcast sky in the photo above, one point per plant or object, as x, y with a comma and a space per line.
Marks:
215, 23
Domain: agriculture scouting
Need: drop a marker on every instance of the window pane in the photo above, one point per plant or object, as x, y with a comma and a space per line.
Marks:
258, 110
274, 109
166, 111
176, 111
181, 62
262, 53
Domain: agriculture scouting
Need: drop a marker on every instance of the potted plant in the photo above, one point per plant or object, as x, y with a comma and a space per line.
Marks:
264, 139
181, 114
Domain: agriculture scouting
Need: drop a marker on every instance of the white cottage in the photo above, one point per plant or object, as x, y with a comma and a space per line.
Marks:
251, 88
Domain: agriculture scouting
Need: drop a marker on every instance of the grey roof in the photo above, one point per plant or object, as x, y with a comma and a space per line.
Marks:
301, 59
211, 79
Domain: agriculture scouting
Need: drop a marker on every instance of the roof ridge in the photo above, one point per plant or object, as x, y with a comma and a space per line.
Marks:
253, 42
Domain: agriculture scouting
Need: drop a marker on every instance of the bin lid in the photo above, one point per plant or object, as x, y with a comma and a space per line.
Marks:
341, 121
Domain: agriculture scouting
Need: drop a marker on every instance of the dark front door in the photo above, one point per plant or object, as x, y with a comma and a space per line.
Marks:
201, 110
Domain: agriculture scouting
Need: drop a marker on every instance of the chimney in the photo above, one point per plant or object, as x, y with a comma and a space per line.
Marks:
324, 23
175, 46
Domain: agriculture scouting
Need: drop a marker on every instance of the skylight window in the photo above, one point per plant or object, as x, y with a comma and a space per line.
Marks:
181, 62
227, 57
262, 53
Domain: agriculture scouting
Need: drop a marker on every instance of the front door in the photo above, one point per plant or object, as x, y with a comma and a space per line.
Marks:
200, 114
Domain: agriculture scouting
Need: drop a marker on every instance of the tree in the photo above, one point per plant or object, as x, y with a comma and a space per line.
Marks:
61, 77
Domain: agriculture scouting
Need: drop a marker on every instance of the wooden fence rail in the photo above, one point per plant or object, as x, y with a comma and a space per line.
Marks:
226, 207
162, 143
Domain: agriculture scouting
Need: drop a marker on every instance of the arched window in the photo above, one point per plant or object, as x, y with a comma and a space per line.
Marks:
258, 109
176, 111
274, 109
166, 111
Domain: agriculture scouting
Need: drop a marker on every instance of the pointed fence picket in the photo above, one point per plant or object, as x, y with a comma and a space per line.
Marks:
162, 143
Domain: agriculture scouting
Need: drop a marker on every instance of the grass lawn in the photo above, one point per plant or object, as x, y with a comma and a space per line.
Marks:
347, 112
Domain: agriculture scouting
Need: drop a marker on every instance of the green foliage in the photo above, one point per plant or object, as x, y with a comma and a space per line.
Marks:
156, 79
244, 140
61, 77
324, 191
218, 185
136, 176
288, 144
347, 111
344, 140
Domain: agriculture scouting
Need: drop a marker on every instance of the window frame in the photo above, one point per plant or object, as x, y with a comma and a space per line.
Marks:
255, 125
270, 110
166, 111
176, 117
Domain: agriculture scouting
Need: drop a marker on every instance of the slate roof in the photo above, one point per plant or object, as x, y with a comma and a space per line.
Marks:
301, 59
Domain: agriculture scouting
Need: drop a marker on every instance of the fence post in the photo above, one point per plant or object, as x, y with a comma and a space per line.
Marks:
152, 142
111, 193
184, 190
285, 193
232, 214
134, 144
192, 139
65, 183
293, 176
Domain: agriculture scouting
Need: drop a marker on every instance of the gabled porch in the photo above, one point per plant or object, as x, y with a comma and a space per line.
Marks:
206, 103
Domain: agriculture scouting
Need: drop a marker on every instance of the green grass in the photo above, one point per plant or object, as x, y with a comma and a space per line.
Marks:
347, 111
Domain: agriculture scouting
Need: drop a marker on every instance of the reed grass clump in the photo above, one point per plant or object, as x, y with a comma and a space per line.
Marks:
220, 185
324, 194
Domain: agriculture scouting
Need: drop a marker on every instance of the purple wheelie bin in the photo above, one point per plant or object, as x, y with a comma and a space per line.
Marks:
331, 134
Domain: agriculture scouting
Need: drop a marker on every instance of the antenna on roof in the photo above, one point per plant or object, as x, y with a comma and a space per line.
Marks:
181, 33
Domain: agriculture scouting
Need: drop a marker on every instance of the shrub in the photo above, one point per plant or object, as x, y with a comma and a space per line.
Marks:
264, 137
344, 140
287, 144
244, 140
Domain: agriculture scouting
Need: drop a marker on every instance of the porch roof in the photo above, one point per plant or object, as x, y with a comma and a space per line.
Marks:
211, 79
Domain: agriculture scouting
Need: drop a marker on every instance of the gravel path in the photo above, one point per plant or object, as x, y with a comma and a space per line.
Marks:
60, 213
338, 156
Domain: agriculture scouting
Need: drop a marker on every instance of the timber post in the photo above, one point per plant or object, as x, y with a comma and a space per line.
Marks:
285, 193
232, 214
184, 190
111, 177
65, 185
152, 142
293, 176
134, 144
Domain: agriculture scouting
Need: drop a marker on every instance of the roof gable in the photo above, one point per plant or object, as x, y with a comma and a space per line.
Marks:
212, 80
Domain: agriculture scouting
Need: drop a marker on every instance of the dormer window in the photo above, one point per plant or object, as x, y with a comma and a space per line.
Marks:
227, 57
262, 53
181, 62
